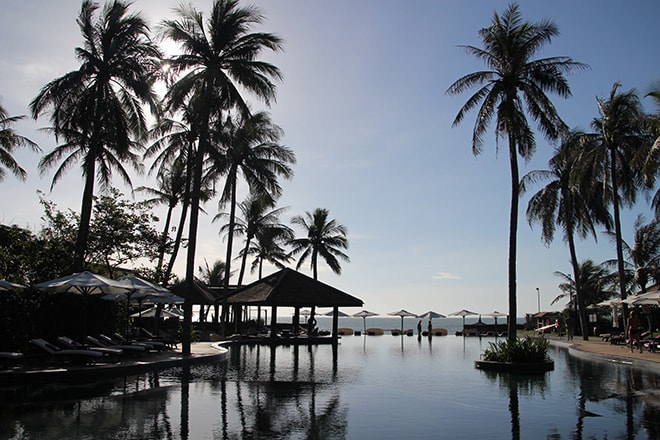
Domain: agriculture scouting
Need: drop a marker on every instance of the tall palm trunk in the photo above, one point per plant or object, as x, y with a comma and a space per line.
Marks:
617, 231
192, 234
88, 192
230, 242
85, 213
184, 213
582, 306
248, 239
513, 232
163, 243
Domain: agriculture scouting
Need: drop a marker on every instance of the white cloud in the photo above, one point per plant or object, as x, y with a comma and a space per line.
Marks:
446, 276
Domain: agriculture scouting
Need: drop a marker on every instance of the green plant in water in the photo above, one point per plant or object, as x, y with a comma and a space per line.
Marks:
525, 350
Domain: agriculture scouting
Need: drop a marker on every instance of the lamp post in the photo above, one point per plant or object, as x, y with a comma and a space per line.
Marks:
538, 294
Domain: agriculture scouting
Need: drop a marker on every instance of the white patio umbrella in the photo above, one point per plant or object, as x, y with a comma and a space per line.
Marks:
364, 314
612, 302
402, 313
84, 283
164, 313
6, 285
650, 298
463, 313
140, 290
165, 298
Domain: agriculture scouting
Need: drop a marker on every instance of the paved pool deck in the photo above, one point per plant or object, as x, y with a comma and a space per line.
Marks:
55, 369
598, 349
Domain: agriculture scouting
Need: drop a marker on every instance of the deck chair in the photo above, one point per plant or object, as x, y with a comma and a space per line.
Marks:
113, 353
74, 355
152, 345
162, 338
134, 349
116, 338
10, 358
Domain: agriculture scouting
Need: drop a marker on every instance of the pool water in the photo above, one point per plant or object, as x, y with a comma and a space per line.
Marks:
380, 387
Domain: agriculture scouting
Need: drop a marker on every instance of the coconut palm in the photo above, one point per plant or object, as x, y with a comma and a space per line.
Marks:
565, 204
642, 264
9, 141
596, 283
620, 144
251, 151
174, 147
653, 159
219, 62
325, 238
170, 192
97, 109
514, 86
269, 247
257, 216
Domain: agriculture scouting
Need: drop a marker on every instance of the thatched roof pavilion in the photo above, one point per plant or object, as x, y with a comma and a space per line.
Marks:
289, 288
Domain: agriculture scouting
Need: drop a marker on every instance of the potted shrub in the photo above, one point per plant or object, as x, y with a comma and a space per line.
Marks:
527, 355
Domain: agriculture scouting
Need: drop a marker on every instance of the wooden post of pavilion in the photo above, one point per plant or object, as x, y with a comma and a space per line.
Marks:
273, 323
335, 324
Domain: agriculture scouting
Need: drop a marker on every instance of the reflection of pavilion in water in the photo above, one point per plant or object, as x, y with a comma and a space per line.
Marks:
284, 392
260, 392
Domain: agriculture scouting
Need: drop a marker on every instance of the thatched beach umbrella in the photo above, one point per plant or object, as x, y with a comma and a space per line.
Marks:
463, 313
402, 313
496, 315
364, 314
339, 314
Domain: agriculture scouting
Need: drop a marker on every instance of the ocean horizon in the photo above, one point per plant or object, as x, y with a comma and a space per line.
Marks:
452, 323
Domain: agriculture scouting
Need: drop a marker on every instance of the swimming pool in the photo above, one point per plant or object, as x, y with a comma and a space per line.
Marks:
381, 387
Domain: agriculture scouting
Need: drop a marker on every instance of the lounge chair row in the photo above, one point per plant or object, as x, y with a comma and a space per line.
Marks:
99, 348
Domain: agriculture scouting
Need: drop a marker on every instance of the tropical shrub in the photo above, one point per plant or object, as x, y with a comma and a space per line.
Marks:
527, 350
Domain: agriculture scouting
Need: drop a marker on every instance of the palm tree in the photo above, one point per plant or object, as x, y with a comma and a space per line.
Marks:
515, 85
563, 203
170, 191
97, 108
594, 280
9, 141
653, 159
256, 217
642, 263
219, 60
620, 144
268, 247
211, 276
252, 150
325, 238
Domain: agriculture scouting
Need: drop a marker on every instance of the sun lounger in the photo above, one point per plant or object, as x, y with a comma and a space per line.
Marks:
165, 340
126, 348
375, 331
55, 351
151, 345
113, 353
111, 341
8, 358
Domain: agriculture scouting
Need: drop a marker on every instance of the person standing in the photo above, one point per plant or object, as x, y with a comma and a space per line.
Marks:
430, 328
570, 326
634, 331
419, 327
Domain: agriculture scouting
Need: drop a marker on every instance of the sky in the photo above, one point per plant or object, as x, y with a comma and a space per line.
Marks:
363, 106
